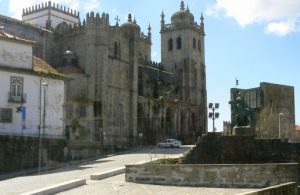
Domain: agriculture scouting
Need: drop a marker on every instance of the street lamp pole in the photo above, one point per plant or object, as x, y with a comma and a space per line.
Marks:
213, 115
45, 86
279, 125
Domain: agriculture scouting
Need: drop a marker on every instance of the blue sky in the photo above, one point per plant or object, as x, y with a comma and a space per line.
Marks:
254, 41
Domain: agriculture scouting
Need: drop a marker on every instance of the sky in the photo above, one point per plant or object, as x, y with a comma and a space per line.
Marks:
254, 41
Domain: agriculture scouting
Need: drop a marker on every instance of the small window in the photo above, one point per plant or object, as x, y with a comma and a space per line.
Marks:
82, 111
194, 43
170, 44
97, 108
199, 45
6, 115
116, 50
178, 41
70, 111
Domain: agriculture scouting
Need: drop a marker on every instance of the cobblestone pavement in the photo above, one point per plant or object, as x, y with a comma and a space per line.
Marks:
23, 184
117, 186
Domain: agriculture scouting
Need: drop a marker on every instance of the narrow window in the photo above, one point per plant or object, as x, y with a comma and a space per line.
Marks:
170, 43
194, 43
116, 50
82, 111
97, 108
199, 45
178, 41
16, 89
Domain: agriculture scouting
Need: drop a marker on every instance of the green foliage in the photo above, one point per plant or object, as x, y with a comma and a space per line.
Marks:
166, 161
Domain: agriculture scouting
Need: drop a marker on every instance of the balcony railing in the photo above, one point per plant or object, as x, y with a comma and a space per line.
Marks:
17, 98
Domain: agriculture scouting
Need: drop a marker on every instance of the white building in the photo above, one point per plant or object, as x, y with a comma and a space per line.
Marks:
52, 13
32, 93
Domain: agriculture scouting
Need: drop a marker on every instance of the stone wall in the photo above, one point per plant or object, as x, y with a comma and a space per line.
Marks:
213, 175
22, 152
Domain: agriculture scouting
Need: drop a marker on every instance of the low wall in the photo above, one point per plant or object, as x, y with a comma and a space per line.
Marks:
17, 152
214, 175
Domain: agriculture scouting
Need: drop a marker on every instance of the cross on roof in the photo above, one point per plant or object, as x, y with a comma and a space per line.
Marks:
117, 20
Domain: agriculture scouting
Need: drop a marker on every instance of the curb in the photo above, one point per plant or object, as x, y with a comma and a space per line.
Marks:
57, 187
107, 174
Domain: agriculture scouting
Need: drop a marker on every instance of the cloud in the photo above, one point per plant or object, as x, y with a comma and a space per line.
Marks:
279, 16
280, 28
16, 6
91, 5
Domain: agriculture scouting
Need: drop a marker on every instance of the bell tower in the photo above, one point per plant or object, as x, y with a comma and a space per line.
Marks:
183, 54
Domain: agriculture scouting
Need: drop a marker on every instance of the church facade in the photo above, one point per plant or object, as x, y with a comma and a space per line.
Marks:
116, 95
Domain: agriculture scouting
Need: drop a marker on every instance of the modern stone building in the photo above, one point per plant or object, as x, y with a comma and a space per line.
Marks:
273, 110
117, 95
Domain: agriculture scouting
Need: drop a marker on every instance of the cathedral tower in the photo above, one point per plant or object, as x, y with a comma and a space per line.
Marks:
183, 54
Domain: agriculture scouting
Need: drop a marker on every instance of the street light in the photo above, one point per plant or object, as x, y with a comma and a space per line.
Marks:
45, 86
213, 115
279, 125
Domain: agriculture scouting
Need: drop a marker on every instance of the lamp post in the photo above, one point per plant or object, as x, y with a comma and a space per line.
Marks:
45, 86
213, 115
279, 125
120, 123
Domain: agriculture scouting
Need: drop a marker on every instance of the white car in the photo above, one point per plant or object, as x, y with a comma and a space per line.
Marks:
169, 143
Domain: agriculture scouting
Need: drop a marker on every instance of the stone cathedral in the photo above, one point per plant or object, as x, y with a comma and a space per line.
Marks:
115, 94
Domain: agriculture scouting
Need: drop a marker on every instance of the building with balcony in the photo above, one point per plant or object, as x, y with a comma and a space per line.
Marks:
117, 95
32, 92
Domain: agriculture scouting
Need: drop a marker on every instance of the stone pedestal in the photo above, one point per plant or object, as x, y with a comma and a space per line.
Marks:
243, 131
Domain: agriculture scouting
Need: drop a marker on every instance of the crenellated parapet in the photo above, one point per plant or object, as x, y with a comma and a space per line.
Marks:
150, 63
52, 6
97, 19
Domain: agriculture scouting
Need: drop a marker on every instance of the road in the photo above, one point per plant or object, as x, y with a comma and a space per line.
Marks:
24, 184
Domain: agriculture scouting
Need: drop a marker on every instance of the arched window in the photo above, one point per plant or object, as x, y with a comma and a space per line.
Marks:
117, 50
16, 87
199, 45
194, 43
170, 44
178, 41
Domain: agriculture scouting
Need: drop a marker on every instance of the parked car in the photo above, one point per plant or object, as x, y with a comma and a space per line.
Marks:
169, 143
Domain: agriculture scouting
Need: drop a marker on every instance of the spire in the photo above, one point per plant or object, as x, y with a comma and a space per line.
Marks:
162, 22
187, 8
182, 6
149, 28
149, 31
134, 20
202, 23
129, 17
162, 15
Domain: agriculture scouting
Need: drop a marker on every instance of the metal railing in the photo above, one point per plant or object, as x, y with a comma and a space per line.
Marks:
17, 98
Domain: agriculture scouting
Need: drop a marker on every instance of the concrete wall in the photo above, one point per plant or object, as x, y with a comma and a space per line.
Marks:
217, 175
54, 119
14, 54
